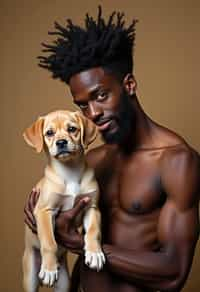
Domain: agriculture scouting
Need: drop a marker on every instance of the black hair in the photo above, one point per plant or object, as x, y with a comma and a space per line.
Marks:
105, 44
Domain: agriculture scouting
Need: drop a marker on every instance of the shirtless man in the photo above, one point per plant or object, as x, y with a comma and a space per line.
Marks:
149, 176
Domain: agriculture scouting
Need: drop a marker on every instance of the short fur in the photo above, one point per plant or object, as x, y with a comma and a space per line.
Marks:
66, 176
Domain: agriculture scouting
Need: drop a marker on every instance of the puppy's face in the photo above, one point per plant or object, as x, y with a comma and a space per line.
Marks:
66, 134
62, 135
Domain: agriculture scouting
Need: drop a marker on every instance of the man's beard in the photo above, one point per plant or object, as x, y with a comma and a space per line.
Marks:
125, 119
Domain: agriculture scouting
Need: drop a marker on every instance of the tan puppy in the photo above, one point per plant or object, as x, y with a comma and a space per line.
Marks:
63, 135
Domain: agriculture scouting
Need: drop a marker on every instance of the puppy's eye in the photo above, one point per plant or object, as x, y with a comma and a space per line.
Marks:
49, 133
71, 129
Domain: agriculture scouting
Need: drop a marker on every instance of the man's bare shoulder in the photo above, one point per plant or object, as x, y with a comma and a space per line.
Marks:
179, 165
180, 157
180, 174
97, 155
176, 149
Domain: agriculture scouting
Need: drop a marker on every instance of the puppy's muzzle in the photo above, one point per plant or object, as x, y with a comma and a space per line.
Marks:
62, 147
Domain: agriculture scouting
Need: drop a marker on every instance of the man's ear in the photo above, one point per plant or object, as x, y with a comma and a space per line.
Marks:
34, 135
89, 130
130, 84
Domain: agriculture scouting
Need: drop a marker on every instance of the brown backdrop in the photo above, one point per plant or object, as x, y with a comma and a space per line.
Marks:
166, 67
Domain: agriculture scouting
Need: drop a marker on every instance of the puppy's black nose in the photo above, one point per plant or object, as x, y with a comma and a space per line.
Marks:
61, 143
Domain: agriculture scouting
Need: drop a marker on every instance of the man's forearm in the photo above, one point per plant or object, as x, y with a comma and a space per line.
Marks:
154, 270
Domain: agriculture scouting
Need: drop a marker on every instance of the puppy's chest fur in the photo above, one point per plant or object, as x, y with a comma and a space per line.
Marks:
60, 188
65, 199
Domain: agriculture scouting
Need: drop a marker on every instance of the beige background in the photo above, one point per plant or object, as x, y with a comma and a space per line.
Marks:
166, 66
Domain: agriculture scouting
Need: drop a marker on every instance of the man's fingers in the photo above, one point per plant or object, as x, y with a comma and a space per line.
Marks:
30, 225
75, 243
80, 205
36, 196
29, 205
33, 198
29, 216
29, 209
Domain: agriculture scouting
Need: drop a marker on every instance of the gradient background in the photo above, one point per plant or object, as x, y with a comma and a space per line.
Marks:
166, 68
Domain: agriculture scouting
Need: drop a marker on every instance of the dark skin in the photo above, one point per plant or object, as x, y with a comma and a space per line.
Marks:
149, 180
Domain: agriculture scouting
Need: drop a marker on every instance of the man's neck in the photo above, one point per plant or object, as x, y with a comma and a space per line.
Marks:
140, 135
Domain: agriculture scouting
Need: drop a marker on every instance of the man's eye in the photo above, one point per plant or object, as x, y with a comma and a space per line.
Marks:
83, 106
102, 96
71, 129
49, 133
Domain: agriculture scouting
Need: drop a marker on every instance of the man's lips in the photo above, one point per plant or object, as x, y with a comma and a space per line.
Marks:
103, 126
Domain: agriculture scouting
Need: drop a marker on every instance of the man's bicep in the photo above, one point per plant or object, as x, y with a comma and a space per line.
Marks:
178, 223
178, 229
180, 178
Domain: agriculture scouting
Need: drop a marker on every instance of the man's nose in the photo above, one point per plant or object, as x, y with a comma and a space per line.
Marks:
95, 111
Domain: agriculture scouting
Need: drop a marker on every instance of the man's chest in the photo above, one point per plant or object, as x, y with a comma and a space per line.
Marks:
132, 185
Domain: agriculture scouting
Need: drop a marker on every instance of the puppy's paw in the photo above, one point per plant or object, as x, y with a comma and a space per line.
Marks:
95, 260
48, 277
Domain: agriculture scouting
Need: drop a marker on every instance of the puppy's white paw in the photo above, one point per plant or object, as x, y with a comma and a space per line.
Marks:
47, 277
95, 260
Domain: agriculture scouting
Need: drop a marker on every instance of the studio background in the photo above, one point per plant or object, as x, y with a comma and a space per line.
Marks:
166, 68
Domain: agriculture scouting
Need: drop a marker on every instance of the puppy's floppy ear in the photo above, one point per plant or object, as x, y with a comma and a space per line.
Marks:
89, 130
34, 136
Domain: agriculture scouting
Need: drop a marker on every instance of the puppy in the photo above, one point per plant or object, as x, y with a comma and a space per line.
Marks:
64, 135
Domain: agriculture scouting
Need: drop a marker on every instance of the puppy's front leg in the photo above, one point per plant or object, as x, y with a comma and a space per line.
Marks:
94, 256
49, 268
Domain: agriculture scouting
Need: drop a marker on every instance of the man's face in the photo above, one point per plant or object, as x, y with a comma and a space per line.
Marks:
103, 99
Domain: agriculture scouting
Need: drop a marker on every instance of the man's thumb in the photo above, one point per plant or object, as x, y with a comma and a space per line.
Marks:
79, 206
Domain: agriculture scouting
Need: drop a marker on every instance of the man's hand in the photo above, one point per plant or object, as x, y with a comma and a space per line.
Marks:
29, 209
65, 229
